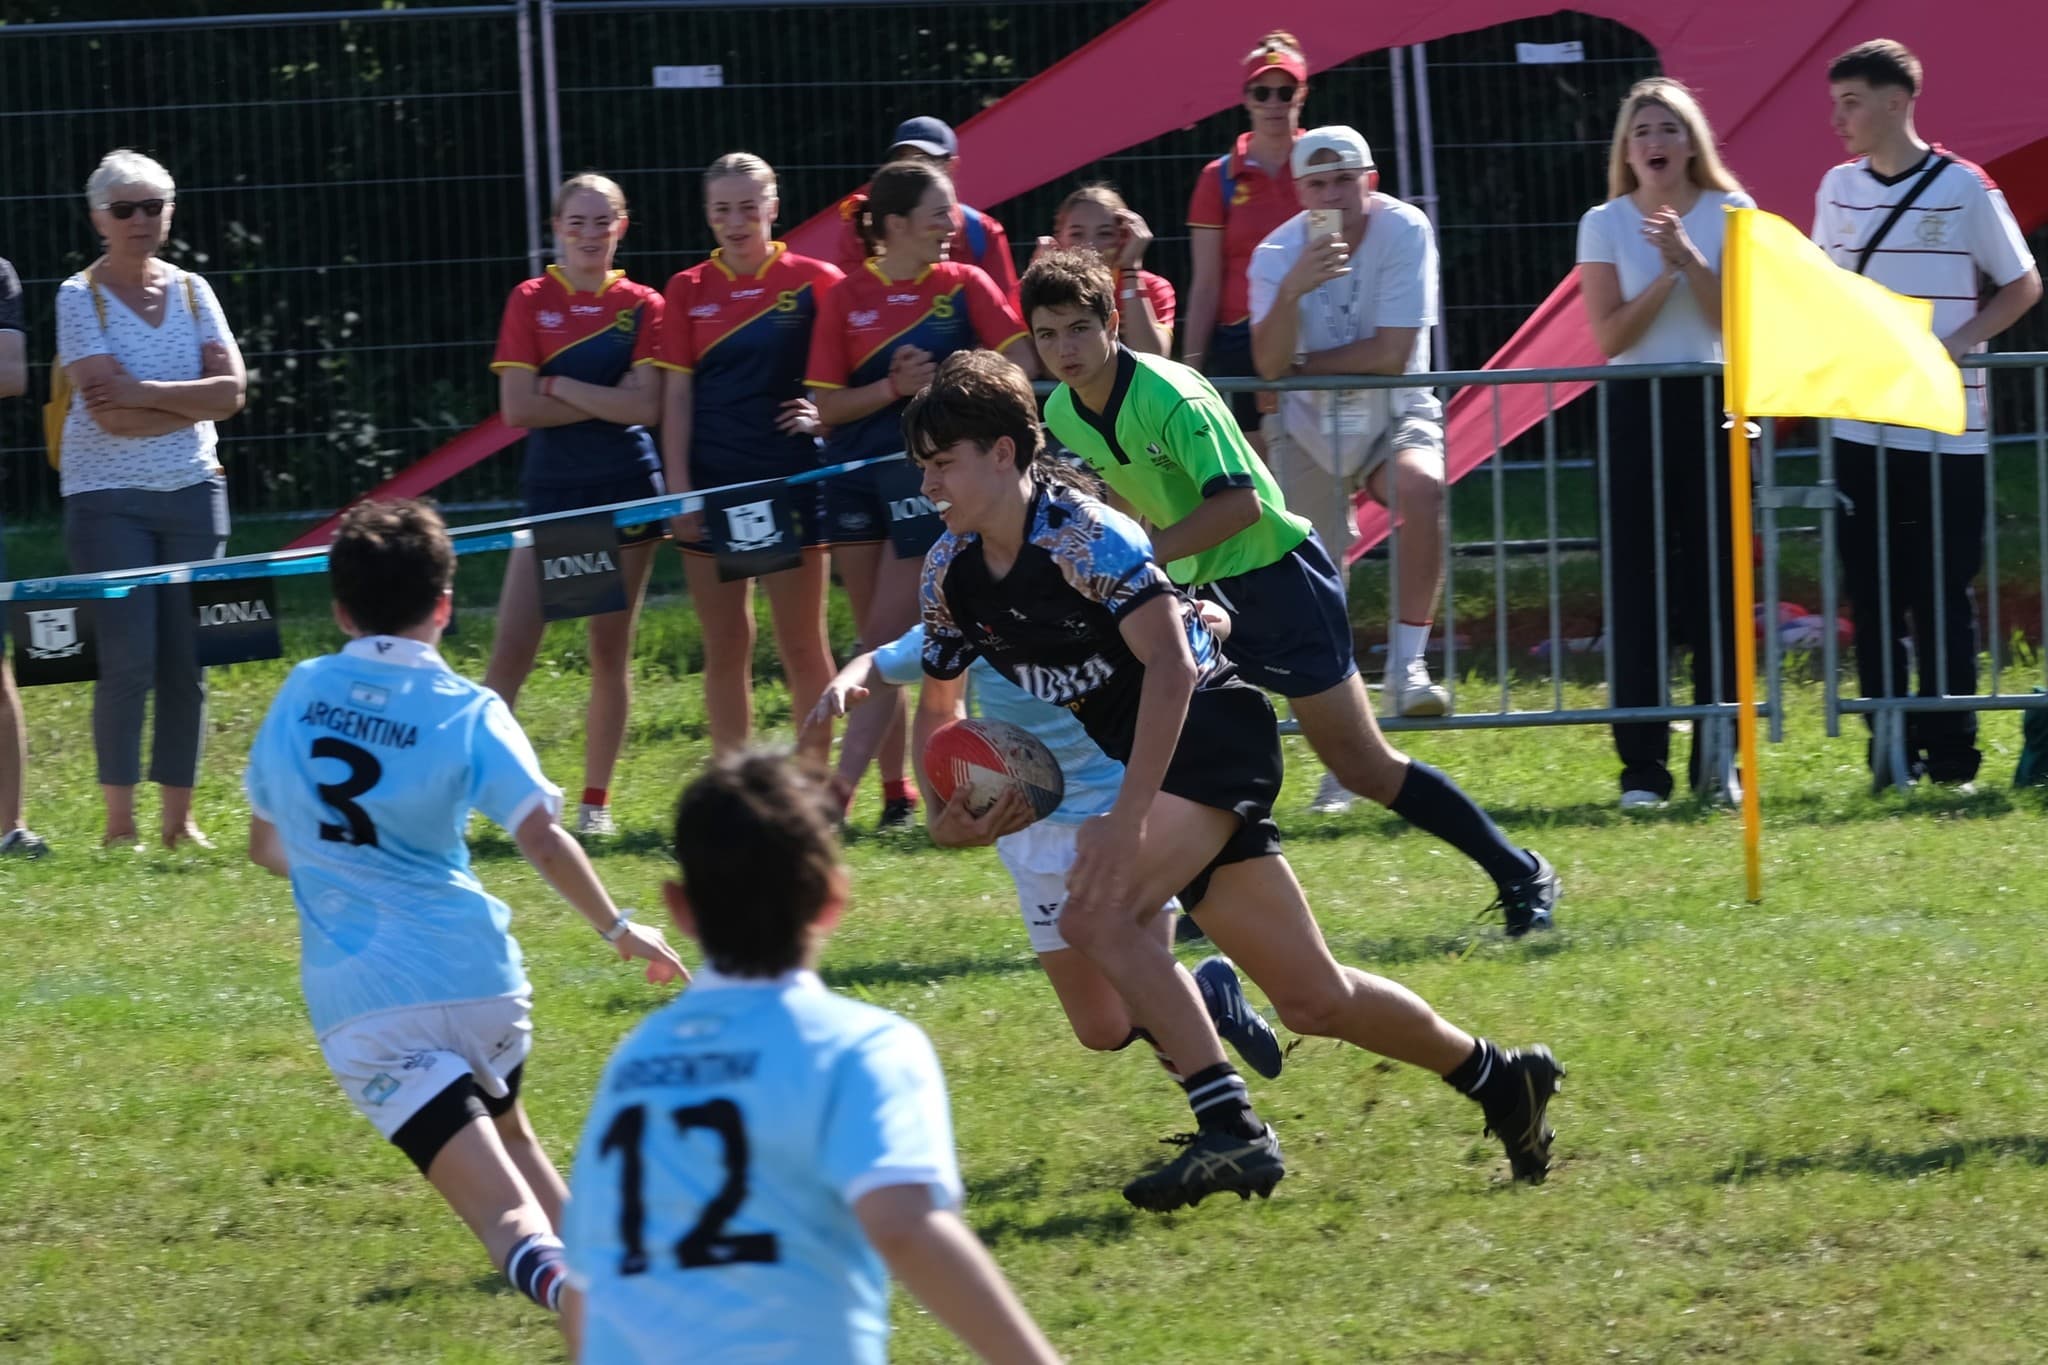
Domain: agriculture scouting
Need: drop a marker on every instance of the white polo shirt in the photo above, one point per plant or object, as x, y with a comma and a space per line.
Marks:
1392, 283
1956, 232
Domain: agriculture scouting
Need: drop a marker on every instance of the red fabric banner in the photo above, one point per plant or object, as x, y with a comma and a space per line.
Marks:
474, 446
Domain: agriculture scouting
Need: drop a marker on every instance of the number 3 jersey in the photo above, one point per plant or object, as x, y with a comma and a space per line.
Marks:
369, 765
711, 1205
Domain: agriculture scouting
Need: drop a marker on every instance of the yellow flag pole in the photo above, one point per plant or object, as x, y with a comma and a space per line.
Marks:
1745, 654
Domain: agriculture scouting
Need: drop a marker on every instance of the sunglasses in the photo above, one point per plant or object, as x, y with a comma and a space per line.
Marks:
124, 209
1259, 94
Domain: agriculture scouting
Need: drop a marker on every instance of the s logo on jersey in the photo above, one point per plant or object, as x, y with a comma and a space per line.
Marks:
785, 302
942, 307
626, 319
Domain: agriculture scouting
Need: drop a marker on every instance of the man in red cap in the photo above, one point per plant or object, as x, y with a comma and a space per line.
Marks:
977, 238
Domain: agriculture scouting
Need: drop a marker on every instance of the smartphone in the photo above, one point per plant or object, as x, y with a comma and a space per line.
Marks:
1324, 222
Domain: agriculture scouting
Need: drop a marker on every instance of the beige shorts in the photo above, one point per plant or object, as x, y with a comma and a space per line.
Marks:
1325, 498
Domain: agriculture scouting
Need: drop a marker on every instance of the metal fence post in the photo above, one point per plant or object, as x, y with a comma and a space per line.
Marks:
551, 90
529, 137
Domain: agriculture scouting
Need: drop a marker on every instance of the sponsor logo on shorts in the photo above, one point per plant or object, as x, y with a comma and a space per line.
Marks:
381, 1088
417, 1061
1046, 916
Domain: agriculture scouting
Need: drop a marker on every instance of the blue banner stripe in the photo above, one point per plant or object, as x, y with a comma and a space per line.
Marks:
469, 540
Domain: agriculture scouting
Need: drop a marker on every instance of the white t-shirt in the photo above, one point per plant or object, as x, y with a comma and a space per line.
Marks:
1957, 230
95, 461
1392, 283
1612, 234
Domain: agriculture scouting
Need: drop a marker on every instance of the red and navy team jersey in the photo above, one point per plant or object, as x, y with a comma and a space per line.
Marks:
552, 328
744, 340
949, 307
977, 239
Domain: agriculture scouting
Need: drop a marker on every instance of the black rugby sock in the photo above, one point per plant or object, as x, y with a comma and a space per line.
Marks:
1436, 805
1219, 1098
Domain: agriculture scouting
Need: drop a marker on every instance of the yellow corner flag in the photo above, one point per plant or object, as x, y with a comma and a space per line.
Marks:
1806, 338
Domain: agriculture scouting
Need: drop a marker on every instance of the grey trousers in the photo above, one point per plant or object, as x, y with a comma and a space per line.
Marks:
147, 640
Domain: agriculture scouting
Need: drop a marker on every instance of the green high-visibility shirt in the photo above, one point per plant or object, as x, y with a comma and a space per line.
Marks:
1165, 441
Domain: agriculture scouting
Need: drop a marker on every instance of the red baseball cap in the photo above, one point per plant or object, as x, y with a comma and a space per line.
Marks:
1274, 56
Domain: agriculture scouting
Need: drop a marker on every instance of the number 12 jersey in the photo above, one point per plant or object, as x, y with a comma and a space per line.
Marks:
368, 765
711, 1206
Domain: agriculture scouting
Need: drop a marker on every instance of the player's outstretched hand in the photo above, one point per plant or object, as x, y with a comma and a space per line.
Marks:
645, 942
1105, 849
841, 695
953, 827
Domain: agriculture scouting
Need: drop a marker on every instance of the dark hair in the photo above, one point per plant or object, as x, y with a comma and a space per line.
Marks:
1068, 279
897, 189
757, 837
976, 396
1881, 61
389, 564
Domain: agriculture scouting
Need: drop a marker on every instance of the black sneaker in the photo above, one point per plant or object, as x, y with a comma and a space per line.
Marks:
1185, 930
1528, 904
1516, 1117
1237, 1023
1213, 1161
23, 843
899, 813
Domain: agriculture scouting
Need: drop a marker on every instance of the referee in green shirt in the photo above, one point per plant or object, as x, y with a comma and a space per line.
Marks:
1164, 440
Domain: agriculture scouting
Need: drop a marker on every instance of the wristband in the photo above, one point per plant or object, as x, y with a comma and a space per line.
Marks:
890, 380
618, 929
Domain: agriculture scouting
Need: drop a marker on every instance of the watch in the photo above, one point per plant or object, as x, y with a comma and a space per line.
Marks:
618, 929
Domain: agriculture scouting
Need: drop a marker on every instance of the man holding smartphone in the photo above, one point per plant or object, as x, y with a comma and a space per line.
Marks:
1349, 286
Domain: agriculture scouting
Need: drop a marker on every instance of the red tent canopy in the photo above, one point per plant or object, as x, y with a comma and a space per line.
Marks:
1758, 66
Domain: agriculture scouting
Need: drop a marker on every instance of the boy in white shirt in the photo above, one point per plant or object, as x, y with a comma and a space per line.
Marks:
1921, 222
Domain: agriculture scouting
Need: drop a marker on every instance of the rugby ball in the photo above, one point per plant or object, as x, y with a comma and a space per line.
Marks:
973, 760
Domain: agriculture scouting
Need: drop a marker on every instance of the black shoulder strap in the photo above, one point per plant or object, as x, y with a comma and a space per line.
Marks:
1864, 253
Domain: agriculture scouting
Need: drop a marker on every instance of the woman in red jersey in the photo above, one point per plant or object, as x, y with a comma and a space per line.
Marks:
736, 339
1239, 198
880, 335
572, 360
1096, 217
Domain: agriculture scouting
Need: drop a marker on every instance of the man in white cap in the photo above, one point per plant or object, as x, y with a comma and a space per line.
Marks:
1349, 286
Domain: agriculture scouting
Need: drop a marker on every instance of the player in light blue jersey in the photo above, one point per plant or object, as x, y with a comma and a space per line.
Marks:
361, 781
1039, 855
762, 1154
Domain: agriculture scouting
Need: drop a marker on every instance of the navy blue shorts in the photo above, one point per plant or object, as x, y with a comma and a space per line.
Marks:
1289, 631
878, 503
543, 499
1230, 356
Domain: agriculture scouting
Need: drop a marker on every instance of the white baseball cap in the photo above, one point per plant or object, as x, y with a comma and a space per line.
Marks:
1347, 143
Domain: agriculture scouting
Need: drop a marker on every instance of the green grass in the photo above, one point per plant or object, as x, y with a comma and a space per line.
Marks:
1810, 1130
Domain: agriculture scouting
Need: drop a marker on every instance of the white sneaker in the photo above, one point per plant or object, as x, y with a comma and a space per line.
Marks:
595, 821
1331, 797
1641, 800
1413, 692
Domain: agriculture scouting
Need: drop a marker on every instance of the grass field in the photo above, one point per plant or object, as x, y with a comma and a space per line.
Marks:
1811, 1130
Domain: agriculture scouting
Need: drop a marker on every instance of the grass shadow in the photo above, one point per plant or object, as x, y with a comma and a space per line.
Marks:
1798, 809
1097, 1225
1023, 1181
495, 1285
1402, 949
853, 975
1864, 1159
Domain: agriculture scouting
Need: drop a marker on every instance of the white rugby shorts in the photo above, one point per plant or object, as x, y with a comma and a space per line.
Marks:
392, 1062
1038, 858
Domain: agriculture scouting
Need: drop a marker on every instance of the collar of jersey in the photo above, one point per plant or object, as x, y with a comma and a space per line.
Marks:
561, 277
1934, 149
775, 250
1241, 161
394, 649
1104, 422
876, 267
708, 978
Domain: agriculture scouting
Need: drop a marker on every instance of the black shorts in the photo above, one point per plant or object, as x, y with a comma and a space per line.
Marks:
1289, 630
542, 499
1228, 759
1230, 357
878, 503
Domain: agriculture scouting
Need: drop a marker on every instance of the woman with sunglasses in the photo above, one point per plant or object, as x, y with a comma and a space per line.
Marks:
574, 366
1239, 198
153, 366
